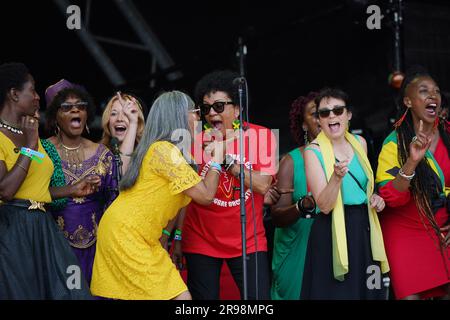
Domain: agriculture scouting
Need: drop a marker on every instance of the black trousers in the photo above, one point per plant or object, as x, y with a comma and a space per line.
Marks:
204, 276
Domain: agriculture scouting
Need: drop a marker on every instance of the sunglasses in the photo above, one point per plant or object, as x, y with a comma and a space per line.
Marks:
325, 113
218, 107
66, 107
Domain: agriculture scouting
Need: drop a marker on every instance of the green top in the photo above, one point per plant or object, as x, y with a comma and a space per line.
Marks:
351, 192
57, 179
290, 243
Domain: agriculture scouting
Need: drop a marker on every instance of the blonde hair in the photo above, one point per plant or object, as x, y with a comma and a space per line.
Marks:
106, 137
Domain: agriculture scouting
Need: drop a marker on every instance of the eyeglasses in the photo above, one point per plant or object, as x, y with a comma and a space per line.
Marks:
218, 107
337, 110
66, 106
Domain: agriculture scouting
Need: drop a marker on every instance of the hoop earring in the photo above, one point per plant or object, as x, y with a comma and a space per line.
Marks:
87, 129
57, 131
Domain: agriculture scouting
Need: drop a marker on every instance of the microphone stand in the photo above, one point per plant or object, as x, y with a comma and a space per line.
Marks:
242, 189
117, 174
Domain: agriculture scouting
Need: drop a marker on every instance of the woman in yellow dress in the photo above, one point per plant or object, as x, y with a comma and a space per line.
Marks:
130, 262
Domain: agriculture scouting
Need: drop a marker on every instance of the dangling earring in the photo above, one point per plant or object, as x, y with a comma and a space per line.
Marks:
305, 136
207, 127
399, 122
236, 124
57, 131
87, 129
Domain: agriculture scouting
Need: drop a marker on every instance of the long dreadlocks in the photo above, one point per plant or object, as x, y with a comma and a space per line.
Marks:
425, 187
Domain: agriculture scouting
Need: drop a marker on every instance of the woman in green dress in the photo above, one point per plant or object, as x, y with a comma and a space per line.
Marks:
292, 224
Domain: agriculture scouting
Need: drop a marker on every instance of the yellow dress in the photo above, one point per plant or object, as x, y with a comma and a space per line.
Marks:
35, 185
130, 262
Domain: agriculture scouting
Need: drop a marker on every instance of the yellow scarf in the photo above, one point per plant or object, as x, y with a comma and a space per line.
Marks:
340, 255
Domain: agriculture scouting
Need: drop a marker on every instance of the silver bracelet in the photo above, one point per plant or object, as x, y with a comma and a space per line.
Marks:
403, 175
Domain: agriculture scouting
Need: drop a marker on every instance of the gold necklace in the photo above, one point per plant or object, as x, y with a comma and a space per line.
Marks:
74, 156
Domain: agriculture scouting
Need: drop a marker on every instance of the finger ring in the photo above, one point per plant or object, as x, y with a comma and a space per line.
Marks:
414, 139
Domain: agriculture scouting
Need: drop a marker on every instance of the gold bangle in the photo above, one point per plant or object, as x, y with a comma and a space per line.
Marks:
18, 164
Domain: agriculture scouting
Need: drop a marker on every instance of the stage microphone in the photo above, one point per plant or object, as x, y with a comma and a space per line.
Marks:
238, 80
117, 160
115, 146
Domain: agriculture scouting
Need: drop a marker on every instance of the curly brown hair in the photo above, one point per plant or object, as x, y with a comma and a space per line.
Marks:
296, 117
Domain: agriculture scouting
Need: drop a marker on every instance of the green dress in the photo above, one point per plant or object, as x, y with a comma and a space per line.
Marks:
57, 179
290, 243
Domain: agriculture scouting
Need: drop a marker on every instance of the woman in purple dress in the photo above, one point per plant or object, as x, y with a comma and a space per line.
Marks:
69, 109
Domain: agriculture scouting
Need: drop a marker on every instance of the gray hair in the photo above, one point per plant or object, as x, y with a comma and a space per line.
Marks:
168, 113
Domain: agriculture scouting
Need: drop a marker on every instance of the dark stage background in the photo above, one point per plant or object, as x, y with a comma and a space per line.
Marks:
293, 48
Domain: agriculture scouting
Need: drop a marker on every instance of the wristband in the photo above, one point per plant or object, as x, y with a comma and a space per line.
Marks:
167, 233
32, 152
215, 165
178, 232
177, 237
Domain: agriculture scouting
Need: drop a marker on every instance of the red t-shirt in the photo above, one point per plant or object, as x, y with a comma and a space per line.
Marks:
215, 230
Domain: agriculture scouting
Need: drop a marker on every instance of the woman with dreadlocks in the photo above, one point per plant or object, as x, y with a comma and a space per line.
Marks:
413, 172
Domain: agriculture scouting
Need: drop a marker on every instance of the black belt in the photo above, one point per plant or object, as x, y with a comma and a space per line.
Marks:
28, 204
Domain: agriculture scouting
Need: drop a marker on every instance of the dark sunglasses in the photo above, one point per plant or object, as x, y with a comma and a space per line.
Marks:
325, 113
66, 107
218, 107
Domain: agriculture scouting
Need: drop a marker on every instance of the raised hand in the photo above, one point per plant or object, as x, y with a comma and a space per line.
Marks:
30, 127
341, 169
419, 145
130, 108
217, 149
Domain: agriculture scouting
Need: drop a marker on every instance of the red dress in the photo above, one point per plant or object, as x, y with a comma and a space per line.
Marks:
418, 265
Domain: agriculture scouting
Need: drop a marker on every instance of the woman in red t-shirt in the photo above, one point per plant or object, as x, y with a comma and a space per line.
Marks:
212, 234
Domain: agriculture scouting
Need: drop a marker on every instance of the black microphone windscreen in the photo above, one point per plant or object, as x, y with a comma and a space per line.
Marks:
238, 80
115, 145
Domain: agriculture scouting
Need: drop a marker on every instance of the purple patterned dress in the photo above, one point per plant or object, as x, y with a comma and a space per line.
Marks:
80, 218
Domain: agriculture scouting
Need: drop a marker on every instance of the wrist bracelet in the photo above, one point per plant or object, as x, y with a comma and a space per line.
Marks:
215, 165
178, 232
304, 213
167, 233
20, 166
177, 237
407, 177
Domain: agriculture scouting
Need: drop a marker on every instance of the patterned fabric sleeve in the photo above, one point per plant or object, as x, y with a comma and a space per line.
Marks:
167, 161
387, 170
57, 179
